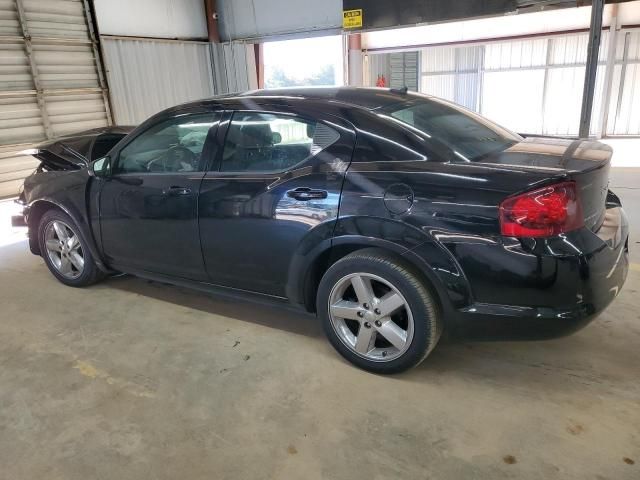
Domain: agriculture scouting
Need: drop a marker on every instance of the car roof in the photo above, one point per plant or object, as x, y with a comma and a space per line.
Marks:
368, 98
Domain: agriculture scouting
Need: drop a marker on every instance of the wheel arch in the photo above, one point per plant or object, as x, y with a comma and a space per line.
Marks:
303, 285
39, 207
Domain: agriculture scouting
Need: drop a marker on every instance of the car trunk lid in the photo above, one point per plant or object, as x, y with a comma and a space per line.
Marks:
584, 161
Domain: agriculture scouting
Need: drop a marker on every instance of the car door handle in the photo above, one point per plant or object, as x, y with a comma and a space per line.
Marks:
304, 193
177, 191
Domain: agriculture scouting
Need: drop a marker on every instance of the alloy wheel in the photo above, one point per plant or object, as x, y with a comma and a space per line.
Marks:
371, 317
64, 249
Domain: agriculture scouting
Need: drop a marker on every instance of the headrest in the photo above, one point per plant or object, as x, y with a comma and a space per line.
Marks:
255, 135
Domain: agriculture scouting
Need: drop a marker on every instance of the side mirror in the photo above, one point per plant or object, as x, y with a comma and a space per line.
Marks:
100, 167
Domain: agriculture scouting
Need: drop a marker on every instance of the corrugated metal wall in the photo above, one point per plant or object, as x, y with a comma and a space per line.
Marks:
146, 76
175, 19
50, 80
149, 75
535, 85
234, 66
624, 111
239, 18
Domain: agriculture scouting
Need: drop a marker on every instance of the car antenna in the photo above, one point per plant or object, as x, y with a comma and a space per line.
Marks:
401, 91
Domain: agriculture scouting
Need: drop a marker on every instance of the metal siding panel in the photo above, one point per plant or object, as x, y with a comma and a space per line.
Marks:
563, 101
628, 118
72, 113
233, 67
633, 52
239, 18
20, 120
15, 72
9, 24
56, 19
66, 66
439, 59
515, 54
13, 168
442, 86
182, 19
49, 82
147, 76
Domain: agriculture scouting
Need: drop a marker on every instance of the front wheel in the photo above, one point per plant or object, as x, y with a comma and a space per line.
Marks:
377, 312
65, 252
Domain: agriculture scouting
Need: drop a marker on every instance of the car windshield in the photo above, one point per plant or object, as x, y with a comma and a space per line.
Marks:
470, 136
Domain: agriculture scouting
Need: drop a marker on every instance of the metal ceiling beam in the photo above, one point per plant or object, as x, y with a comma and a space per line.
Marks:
97, 57
22, 19
593, 49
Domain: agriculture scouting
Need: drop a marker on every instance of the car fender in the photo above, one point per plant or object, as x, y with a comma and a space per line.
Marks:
79, 219
418, 248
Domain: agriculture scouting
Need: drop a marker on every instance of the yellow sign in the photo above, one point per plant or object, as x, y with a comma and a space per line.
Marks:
352, 18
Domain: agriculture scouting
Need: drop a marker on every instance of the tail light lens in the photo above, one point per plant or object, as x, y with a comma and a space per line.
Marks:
544, 212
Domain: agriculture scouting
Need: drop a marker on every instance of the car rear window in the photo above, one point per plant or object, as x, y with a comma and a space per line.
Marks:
470, 136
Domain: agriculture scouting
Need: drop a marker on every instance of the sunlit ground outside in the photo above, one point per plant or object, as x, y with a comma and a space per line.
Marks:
9, 234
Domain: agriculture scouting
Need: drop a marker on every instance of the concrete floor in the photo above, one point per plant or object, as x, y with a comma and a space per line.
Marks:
131, 379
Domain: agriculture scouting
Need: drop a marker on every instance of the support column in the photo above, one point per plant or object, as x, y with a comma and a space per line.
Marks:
259, 52
355, 59
97, 56
211, 11
608, 76
595, 32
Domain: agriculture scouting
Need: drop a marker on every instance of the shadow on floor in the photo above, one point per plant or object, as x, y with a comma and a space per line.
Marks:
258, 311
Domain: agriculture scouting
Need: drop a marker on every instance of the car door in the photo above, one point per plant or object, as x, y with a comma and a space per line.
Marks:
148, 205
275, 192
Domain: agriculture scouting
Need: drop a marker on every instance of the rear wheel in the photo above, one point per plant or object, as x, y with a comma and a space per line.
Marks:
65, 252
377, 312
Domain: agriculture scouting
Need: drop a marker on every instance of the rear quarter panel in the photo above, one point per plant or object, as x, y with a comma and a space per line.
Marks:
451, 229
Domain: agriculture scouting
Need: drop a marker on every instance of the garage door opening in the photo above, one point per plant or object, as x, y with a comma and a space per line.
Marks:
305, 62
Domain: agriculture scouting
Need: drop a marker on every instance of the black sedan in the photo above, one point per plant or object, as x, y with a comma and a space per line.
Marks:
393, 216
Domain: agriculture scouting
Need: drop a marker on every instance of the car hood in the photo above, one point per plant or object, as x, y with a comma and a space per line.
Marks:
72, 151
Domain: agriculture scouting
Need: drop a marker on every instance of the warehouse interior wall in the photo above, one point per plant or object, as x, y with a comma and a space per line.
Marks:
52, 83
148, 75
166, 60
259, 19
176, 19
531, 81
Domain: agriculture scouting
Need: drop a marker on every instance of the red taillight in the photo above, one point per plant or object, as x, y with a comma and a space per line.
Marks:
544, 212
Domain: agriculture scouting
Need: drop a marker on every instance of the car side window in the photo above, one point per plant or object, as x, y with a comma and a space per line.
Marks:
173, 145
267, 142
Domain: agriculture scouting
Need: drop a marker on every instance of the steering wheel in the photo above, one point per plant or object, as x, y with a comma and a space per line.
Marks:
172, 160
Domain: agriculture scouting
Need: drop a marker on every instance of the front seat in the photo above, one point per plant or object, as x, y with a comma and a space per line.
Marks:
254, 147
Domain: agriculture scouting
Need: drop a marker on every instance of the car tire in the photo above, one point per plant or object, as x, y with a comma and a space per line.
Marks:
393, 342
65, 251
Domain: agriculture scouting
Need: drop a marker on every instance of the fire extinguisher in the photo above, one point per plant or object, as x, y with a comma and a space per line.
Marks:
381, 81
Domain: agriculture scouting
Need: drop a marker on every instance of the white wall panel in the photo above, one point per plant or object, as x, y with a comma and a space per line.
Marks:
234, 67
147, 76
516, 54
517, 108
152, 18
245, 19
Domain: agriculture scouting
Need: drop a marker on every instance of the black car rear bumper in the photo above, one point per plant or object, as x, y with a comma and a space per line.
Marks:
543, 290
